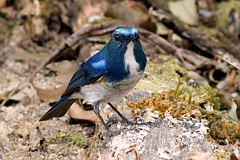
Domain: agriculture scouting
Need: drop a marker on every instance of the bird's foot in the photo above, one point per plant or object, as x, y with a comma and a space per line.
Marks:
110, 133
127, 122
136, 123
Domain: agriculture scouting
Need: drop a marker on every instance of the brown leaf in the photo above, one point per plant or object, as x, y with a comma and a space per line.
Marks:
132, 12
23, 55
228, 84
50, 95
232, 105
233, 111
197, 78
66, 76
85, 11
225, 99
237, 101
77, 112
62, 67
185, 10
18, 96
3, 3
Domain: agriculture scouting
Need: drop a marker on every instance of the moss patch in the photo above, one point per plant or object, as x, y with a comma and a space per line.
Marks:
171, 93
224, 9
98, 21
71, 138
155, 77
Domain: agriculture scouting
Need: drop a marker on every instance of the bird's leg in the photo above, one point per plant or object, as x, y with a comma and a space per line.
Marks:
120, 114
125, 119
109, 132
96, 110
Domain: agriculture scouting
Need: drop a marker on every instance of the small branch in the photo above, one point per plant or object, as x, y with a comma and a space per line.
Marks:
93, 30
206, 46
190, 59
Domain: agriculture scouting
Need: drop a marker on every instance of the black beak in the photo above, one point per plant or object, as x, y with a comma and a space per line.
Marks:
130, 39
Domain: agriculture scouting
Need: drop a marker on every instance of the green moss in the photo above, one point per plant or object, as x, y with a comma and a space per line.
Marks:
211, 33
172, 94
166, 58
104, 38
71, 138
224, 9
223, 129
50, 7
223, 155
170, 77
3, 96
161, 78
97, 21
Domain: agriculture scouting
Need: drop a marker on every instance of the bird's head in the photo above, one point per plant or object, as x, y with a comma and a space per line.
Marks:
125, 35
122, 39
125, 52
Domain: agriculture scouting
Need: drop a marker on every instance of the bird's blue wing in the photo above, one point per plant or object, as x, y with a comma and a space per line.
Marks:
89, 72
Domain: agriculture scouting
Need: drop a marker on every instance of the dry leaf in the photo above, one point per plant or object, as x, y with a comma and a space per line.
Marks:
197, 78
18, 96
23, 55
232, 105
128, 14
77, 112
66, 76
5, 129
228, 84
233, 111
62, 66
3, 3
50, 95
237, 101
133, 13
185, 10
225, 99
162, 29
86, 10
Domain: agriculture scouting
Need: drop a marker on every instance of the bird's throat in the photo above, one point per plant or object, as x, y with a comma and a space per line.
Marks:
131, 64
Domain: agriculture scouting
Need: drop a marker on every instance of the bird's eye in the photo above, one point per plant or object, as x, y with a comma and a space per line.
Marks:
137, 36
116, 37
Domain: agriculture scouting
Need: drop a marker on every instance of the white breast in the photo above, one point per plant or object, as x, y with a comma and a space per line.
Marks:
107, 92
130, 61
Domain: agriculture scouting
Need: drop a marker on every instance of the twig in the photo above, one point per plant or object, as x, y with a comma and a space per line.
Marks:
191, 60
206, 46
93, 30
196, 61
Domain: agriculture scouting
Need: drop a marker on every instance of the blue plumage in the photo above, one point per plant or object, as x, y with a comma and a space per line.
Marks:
106, 76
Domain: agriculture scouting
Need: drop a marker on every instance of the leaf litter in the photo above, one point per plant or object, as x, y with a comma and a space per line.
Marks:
27, 49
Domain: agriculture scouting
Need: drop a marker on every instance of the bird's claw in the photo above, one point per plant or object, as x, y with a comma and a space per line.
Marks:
110, 133
136, 123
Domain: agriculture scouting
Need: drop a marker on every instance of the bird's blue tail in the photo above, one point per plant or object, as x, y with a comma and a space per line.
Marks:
59, 109
59, 101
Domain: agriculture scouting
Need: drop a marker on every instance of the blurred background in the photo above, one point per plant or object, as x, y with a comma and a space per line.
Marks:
196, 39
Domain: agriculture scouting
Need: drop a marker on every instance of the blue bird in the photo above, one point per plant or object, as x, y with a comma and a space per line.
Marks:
105, 77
